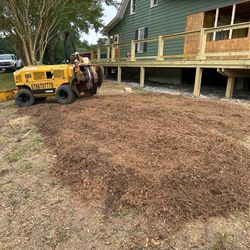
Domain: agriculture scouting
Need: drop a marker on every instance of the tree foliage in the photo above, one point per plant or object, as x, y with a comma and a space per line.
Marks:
5, 46
33, 25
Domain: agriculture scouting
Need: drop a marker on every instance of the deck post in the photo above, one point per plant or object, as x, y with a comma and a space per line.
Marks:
132, 53
198, 80
119, 75
202, 45
230, 87
160, 48
91, 54
98, 54
108, 53
105, 71
142, 77
113, 53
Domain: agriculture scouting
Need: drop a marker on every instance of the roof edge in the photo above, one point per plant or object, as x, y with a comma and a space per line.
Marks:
118, 17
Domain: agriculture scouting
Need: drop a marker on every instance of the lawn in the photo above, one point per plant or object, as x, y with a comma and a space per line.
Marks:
6, 81
125, 170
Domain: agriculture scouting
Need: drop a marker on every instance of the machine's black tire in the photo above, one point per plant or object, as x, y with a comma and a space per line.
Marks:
24, 98
40, 99
65, 95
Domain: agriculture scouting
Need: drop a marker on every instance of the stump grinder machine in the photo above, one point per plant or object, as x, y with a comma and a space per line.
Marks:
67, 81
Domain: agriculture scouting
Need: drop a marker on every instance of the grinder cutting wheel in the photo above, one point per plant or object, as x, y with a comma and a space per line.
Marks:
65, 81
87, 77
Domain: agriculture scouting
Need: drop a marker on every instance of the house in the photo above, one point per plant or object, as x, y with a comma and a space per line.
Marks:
176, 35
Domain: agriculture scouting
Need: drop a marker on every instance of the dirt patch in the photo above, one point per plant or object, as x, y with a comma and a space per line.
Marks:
168, 160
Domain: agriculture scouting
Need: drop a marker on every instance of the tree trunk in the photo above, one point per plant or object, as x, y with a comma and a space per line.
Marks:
51, 53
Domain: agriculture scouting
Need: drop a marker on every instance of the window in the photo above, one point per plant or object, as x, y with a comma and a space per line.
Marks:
132, 7
116, 40
5, 57
153, 3
141, 34
49, 75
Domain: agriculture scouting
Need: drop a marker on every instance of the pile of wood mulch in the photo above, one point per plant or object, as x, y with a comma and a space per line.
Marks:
166, 158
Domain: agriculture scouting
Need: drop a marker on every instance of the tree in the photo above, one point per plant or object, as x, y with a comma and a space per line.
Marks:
35, 24
5, 46
102, 41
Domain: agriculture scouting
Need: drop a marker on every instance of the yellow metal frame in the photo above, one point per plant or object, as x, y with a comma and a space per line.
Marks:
7, 95
26, 75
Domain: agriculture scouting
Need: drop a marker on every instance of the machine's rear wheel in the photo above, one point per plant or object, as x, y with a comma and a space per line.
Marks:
24, 98
65, 95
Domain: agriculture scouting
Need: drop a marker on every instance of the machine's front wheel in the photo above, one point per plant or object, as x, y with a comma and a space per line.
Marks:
24, 98
65, 95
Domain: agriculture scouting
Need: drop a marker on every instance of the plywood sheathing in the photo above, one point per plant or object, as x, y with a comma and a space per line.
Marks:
233, 45
191, 46
193, 22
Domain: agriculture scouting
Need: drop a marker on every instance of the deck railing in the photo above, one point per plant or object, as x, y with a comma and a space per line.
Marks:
126, 51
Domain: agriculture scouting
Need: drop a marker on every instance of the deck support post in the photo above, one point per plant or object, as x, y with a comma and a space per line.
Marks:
230, 87
132, 53
106, 72
119, 75
160, 48
198, 80
108, 53
202, 45
91, 55
113, 53
142, 77
98, 54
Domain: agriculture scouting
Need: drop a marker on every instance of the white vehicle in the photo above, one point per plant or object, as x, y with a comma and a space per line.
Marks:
10, 62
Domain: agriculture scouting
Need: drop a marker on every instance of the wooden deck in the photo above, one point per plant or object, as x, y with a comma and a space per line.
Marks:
231, 59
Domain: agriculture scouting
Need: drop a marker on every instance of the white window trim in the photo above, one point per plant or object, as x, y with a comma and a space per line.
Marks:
140, 46
132, 12
152, 4
116, 39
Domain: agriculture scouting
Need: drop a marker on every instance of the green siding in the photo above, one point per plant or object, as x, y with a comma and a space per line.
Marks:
167, 18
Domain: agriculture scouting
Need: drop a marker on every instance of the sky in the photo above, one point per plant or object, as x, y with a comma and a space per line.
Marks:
109, 14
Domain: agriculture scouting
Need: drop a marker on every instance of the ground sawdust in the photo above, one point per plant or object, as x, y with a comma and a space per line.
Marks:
167, 158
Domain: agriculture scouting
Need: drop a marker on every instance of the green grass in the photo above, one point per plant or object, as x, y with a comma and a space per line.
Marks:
13, 157
6, 81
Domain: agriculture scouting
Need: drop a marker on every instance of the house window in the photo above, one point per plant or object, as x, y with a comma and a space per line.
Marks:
153, 3
132, 7
141, 34
116, 40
